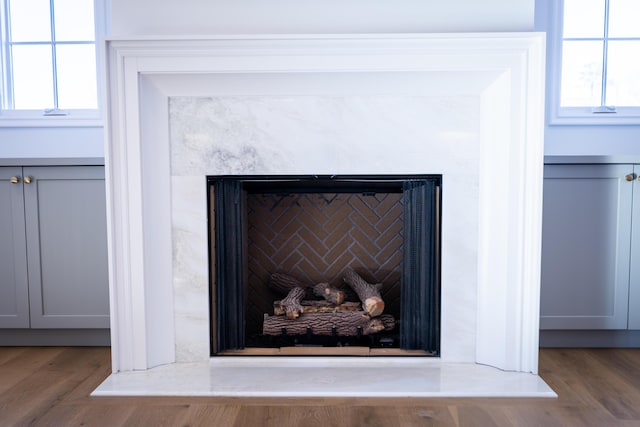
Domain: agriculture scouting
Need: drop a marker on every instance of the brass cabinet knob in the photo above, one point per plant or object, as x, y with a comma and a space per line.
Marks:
630, 177
14, 180
27, 179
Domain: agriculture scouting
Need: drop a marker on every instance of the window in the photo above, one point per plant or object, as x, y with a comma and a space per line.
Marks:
49, 66
597, 61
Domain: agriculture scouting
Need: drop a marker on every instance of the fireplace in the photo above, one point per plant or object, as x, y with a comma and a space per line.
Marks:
294, 259
465, 107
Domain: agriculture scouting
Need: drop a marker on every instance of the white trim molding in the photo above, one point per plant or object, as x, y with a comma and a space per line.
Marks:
504, 71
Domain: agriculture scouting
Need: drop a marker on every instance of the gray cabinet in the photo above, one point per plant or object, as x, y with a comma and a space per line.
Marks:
14, 293
587, 247
54, 235
634, 268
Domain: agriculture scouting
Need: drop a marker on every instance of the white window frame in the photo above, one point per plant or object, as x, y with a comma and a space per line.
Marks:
558, 115
72, 118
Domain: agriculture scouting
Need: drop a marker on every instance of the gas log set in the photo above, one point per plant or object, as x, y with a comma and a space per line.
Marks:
321, 309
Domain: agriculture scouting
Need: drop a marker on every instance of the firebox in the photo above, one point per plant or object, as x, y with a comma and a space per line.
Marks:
317, 265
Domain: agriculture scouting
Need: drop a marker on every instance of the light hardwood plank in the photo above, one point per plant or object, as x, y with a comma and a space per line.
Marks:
20, 363
9, 353
36, 394
205, 415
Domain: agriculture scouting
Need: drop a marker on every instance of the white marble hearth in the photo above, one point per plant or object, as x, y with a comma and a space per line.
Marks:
280, 377
466, 106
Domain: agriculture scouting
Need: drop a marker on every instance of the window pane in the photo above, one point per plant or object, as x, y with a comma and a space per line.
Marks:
581, 73
30, 20
77, 76
32, 77
623, 18
74, 20
623, 84
583, 18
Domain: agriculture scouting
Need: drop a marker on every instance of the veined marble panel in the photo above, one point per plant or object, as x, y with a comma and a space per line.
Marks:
190, 267
323, 134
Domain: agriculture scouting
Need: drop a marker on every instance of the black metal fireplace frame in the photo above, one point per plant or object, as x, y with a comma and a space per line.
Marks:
420, 291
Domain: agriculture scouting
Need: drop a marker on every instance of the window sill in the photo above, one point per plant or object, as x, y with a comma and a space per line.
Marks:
63, 118
44, 122
582, 117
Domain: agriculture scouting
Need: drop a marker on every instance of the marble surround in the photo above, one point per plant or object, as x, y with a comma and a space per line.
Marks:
327, 135
468, 107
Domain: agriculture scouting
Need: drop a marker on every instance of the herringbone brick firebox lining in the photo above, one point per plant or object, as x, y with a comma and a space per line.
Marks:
315, 237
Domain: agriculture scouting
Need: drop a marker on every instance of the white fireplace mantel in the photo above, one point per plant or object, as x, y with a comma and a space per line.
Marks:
501, 73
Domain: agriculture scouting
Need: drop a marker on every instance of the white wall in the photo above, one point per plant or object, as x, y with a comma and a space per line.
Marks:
197, 17
615, 141
50, 143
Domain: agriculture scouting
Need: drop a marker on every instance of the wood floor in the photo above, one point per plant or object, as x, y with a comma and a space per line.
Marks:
50, 386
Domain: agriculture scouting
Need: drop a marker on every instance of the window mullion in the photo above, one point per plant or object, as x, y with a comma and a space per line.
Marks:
605, 55
54, 59
7, 63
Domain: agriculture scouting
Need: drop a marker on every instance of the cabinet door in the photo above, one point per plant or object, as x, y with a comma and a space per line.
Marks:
634, 287
14, 294
585, 247
67, 247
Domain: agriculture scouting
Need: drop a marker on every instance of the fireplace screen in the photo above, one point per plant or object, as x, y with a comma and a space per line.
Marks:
301, 264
